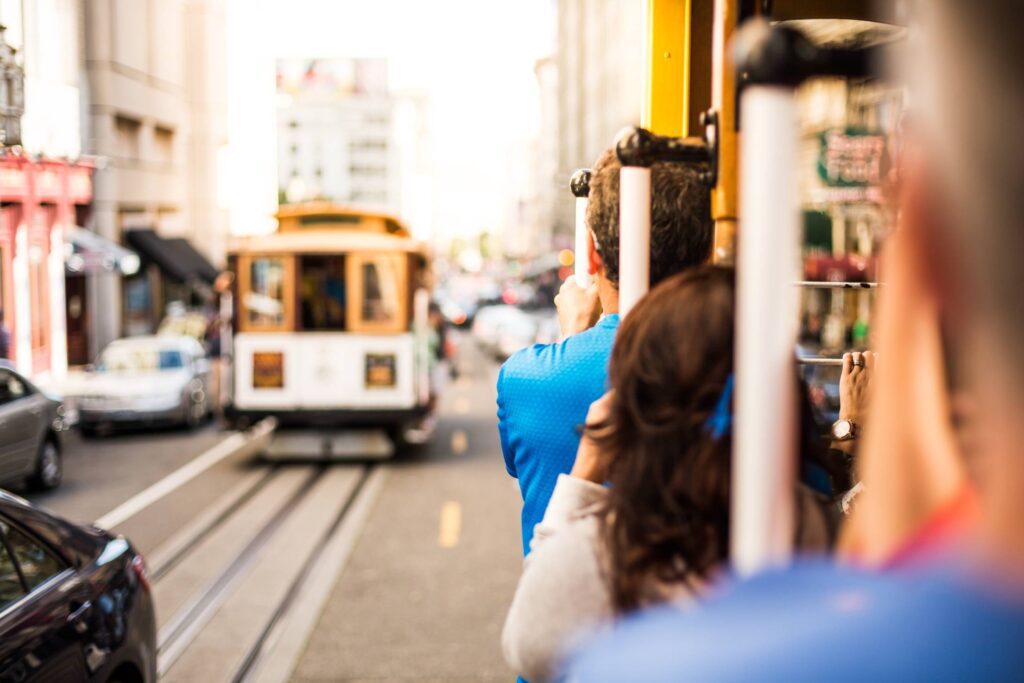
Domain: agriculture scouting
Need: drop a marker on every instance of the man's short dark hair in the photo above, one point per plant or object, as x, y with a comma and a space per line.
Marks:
681, 227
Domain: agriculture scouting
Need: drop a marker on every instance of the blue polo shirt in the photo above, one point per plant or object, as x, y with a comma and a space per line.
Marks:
820, 622
544, 392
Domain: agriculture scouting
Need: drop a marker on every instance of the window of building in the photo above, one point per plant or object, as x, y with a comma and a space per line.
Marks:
367, 171
163, 145
368, 145
126, 137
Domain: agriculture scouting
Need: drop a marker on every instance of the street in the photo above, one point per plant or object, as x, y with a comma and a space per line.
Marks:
396, 571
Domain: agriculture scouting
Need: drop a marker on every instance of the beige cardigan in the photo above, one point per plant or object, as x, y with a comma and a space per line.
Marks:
563, 597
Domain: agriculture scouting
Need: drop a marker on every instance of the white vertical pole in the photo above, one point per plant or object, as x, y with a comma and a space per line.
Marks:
225, 388
23, 312
421, 322
582, 258
634, 235
58, 306
765, 441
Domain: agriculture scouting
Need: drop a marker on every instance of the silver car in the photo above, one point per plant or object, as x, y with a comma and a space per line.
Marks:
31, 432
143, 381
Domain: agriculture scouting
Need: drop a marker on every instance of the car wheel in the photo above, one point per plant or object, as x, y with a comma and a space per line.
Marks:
195, 411
49, 467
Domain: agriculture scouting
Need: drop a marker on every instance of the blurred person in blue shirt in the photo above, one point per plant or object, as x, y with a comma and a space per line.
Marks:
544, 391
960, 615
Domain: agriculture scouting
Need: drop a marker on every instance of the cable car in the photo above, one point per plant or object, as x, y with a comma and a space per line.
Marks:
330, 333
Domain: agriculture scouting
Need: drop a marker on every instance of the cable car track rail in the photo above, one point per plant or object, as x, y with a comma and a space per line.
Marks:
175, 636
255, 562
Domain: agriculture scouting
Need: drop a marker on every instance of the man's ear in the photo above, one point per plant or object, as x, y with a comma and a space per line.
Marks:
594, 264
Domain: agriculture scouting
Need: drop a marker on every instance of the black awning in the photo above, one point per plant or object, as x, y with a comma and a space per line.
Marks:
175, 256
89, 253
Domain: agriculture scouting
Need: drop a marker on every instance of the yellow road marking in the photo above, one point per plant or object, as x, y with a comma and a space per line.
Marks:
460, 442
451, 524
461, 405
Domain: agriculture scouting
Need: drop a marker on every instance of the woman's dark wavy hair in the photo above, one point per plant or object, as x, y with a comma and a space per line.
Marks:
667, 513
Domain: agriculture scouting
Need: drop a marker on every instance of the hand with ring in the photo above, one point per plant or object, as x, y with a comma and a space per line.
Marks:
854, 384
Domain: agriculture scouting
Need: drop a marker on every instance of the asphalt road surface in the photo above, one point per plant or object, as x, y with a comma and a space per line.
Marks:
102, 472
425, 594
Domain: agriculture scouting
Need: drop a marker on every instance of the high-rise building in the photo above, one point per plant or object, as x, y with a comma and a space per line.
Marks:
336, 132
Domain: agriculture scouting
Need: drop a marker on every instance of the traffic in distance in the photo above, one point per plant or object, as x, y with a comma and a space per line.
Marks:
712, 378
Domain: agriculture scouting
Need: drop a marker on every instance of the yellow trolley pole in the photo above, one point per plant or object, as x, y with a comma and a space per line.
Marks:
723, 101
666, 104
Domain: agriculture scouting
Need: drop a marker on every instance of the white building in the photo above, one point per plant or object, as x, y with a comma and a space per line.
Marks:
600, 71
336, 133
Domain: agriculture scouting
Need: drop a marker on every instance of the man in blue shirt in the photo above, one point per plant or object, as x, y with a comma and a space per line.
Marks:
957, 253
544, 391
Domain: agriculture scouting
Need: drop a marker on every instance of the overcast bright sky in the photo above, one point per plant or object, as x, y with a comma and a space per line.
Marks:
472, 59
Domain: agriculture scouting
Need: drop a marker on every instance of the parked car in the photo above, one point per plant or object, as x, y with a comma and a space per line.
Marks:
31, 432
143, 381
75, 602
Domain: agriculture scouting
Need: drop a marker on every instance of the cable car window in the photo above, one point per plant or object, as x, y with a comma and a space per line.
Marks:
322, 292
264, 302
380, 291
378, 296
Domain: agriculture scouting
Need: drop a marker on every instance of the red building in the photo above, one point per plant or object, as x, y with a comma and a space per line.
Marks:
42, 202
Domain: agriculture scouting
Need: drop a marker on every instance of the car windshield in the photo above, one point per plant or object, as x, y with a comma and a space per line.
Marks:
140, 359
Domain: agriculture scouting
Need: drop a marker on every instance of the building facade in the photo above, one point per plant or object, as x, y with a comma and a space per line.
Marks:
155, 121
45, 187
600, 73
336, 133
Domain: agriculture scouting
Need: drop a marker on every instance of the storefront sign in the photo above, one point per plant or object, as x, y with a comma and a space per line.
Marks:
12, 181
852, 158
48, 184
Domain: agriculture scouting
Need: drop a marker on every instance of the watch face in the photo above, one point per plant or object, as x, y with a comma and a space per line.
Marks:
842, 429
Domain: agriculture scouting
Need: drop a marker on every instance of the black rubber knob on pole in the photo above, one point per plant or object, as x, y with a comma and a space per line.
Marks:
579, 183
772, 54
636, 146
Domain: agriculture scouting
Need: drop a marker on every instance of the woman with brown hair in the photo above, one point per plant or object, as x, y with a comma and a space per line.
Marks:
660, 440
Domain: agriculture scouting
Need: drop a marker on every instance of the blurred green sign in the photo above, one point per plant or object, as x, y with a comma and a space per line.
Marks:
852, 157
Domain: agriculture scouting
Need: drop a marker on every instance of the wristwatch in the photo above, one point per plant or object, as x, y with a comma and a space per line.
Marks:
844, 430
